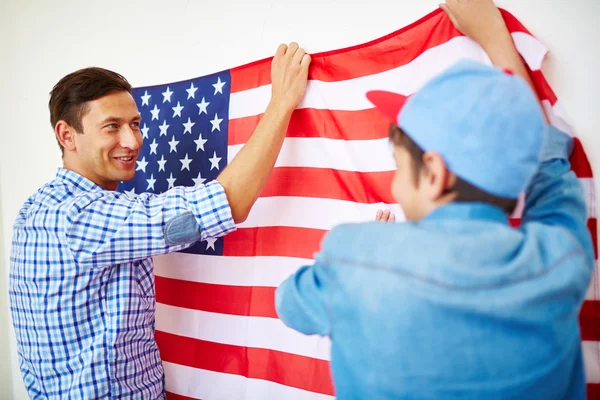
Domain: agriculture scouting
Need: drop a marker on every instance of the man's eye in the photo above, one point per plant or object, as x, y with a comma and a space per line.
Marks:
135, 125
112, 126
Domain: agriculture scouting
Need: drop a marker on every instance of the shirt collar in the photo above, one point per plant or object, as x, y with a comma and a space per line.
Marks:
73, 178
457, 210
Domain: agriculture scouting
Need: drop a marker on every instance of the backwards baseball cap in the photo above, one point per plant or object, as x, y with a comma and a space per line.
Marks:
486, 123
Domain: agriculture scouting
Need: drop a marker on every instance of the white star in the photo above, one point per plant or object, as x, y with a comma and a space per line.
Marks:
173, 145
199, 180
188, 126
219, 86
131, 193
177, 110
191, 91
216, 123
146, 98
171, 181
161, 163
185, 162
141, 165
210, 243
214, 161
167, 95
202, 106
155, 112
163, 128
200, 143
151, 182
145, 130
153, 146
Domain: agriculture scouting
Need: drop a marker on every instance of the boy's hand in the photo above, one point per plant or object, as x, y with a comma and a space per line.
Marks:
479, 20
385, 216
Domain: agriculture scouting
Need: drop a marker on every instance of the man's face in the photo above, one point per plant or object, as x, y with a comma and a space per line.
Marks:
107, 149
405, 189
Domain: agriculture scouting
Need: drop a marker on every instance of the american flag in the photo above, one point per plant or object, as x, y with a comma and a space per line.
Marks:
216, 325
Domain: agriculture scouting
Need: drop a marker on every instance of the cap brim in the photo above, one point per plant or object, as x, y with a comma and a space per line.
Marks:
388, 103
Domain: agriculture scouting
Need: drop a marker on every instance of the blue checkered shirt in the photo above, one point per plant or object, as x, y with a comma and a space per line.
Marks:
82, 283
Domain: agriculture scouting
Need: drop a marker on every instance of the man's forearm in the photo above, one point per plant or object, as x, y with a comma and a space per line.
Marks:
245, 177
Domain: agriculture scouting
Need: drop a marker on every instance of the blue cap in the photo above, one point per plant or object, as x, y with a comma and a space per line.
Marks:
486, 123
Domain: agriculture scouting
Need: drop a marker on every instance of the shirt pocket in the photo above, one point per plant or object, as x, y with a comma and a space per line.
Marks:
144, 276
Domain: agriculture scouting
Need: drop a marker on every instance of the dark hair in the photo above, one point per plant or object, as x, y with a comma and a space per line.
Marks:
69, 97
464, 191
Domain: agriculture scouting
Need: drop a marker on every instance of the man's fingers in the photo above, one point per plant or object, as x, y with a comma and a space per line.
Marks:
306, 59
281, 50
446, 9
292, 48
298, 55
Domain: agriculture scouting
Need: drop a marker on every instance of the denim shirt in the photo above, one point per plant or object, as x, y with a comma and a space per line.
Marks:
460, 304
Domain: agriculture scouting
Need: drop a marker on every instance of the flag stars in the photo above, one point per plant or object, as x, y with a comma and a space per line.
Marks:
216, 123
161, 163
131, 193
145, 130
200, 143
141, 165
155, 111
177, 110
210, 243
153, 146
188, 126
219, 86
199, 180
214, 161
167, 95
171, 181
185, 162
146, 98
173, 145
202, 106
151, 182
191, 91
163, 128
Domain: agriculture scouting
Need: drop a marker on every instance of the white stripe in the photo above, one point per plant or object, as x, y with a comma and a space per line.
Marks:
406, 79
234, 271
313, 213
591, 359
533, 50
256, 332
209, 385
558, 117
346, 155
593, 292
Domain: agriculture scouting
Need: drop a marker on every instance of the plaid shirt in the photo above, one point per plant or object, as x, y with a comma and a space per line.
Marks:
82, 283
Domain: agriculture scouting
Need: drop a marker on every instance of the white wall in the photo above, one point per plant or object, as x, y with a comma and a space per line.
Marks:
155, 41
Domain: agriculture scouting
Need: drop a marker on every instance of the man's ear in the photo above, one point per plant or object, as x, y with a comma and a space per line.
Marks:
436, 176
65, 134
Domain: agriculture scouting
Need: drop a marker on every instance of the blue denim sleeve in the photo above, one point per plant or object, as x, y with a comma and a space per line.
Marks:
555, 196
302, 301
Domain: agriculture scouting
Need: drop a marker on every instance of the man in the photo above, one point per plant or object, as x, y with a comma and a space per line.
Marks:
82, 280
455, 303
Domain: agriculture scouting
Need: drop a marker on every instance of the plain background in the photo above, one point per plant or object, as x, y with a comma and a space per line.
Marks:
154, 41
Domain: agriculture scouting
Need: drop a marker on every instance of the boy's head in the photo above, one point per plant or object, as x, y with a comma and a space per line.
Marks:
472, 134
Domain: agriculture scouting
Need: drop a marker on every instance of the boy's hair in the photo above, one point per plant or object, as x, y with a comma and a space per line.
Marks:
464, 191
69, 97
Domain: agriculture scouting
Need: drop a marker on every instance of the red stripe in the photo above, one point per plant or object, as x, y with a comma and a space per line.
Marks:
588, 320
255, 301
593, 391
544, 91
365, 59
359, 187
173, 396
273, 241
287, 369
309, 122
593, 228
579, 161
369, 58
